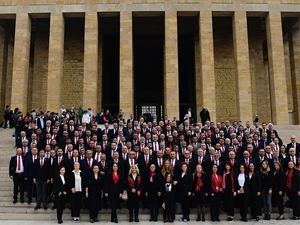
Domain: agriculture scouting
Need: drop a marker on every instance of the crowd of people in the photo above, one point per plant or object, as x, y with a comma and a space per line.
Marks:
154, 163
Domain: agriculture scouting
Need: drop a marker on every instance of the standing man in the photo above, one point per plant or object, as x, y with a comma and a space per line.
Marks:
16, 173
6, 111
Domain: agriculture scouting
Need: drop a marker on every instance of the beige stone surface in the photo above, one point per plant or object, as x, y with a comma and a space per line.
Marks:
242, 67
171, 87
289, 86
21, 62
3, 66
206, 81
90, 77
99, 81
9, 70
55, 62
126, 64
277, 69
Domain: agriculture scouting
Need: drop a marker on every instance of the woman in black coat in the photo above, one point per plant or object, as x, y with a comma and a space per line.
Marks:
134, 184
229, 192
255, 191
200, 191
152, 182
292, 188
93, 193
113, 189
278, 188
243, 191
76, 184
60, 188
266, 188
185, 190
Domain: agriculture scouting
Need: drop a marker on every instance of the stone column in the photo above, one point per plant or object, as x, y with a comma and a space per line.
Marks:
171, 86
279, 104
90, 76
55, 61
126, 64
9, 70
21, 62
206, 83
294, 41
242, 66
100, 58
3, 66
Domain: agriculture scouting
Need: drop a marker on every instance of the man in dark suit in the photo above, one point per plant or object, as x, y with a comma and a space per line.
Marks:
260, 158
103, 168
42, 173
113, 132
59, 161
274, 159
217, 162
294, 144
29, 173
233, 160
271, 130
16, 173
247, 160
30, 131
292, 157
188, 160
87, 164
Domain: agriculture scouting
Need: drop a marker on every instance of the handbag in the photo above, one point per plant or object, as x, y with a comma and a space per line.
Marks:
125, 195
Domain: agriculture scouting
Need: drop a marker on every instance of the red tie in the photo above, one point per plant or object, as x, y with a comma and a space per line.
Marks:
130, 132
71, 128
187, 161
124, 157
59, 161
173, 163
32, 131
47, 155
247, 163
105, 131
104, 146
24, 152
131, 162
155, 146
76, 141
256, 145
89, 163
146, 160
41, 163
19, 163
194, 146
212, 158
70, 155
142, 148
38, 138
261, 159
232, 163
159, 163
97, 157
33, 159
200, 162
103, 165
269, 156
88, 141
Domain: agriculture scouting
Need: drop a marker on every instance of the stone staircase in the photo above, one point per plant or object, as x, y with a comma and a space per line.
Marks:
25, 211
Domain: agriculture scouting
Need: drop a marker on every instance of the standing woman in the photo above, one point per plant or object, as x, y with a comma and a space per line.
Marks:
278, 188
266, 188
282, 153
229, 192
185, 190
76, 184
134, 185
215, 190
242, 189
167, 168
168, 188
153, 191
200, 190
292, 187
93, 193
60, 188
113, 189
255, 191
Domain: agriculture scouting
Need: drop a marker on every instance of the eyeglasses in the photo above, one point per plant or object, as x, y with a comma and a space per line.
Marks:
131, 154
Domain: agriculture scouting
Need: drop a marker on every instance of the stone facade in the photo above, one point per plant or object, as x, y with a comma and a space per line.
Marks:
242, 68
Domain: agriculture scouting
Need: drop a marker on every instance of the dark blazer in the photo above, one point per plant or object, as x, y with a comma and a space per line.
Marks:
246, 185
204, 179
84, 166
184, 183
29, 167
13, 165
137, 184
55, 166
278, 181
58, 185
295, 181
42, 174
255, 182
290, 145
152, 187
95, 187
112, 188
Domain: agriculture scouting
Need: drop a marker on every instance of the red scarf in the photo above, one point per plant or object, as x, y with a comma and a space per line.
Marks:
115, 177
216, 184
265, 170
288, 181
151, 176
131, 182
199, 182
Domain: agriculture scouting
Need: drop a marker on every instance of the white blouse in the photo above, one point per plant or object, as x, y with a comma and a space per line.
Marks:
241, 180
62, 179
77, 182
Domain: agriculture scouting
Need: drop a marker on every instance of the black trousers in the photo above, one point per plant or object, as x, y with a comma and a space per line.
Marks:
243, 204
41, 192
133, 204
30, 188
185, 205
93, 214
254, 204
18, 180
229, 202
215, 205
278, 200
60, 204
293, 196
170, 206
114, 201
153, 205
76, 204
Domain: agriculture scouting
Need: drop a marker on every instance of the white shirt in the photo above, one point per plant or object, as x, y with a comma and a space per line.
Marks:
77, 182
241, 180
21, 165
62, 179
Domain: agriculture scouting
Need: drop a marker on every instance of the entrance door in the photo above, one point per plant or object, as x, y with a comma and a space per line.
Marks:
153, 108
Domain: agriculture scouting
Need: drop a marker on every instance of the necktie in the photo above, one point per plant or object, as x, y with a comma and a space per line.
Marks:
131, 162
200, 161
256, 145
19, 163
232, 163
173, 163
269, 156
71, 128
32, 131
47, 155
89, 163
38, 138
276, 159
97, 157
155, 147
146, 160
261, 159
41, 163
59, 161
160, 163
247, 162
24, 152
70, 155
142, 148
187, 161
104, 146
75, 140
124, 157
105, 131
33, 159
103, 165
212, 158
76, 159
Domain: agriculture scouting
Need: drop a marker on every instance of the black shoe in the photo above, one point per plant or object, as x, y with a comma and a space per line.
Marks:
53, 207
37, 207
203, 218
242, 219
213, 219
116, 220
245, 220
112, 220
279, 218
137, 219
269, 217
45, 207
15, 201
217, 219
22, 201
198, 219
130, 219
257, 218
266, 217
29, 202
230, 219
295, 218
91, 221
96, 220
155, 219
60, 221
151, 218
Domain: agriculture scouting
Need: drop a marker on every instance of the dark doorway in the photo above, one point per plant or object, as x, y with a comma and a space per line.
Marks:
148, 41
110, 31
187, 26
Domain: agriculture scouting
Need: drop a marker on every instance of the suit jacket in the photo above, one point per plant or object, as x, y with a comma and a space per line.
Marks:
242, 161
185, 183
290, 145
58, 185
269, 133
84, 167
29, 167
144, 169
55, 166
112, 188
42, 174
246, 184
279, 182
13, 165
71, 180
255, 182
